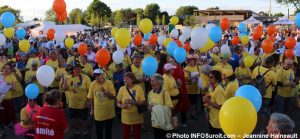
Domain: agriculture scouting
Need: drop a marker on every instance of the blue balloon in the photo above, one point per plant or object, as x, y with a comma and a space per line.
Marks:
297, 20
149, 65
7, 19
21, 33
180, 54
147, 36
171, 48
242, 34
215, 34
242, 27
32, 91
252, 94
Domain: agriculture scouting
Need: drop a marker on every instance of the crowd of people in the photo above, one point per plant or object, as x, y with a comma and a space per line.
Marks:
200, 85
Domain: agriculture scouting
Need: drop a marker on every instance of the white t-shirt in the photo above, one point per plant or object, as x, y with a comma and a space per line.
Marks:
91, 56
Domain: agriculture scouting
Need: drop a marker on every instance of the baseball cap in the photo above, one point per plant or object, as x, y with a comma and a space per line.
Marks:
169, 66
98, 71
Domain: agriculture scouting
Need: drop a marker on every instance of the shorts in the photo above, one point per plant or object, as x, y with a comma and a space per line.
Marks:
265, 107
194, 98
78, 113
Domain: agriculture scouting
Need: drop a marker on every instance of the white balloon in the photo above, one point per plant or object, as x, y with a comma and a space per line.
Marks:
118, 56
182, 39
199, 37
209, 26
186, 32
121, 49
174, 33
161, 39
60, 36
194, 45
45, 75
225, 49
2, 39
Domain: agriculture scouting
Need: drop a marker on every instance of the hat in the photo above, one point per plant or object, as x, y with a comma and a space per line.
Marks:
169, 66
76, 64
98, 71
137, 55
227, 72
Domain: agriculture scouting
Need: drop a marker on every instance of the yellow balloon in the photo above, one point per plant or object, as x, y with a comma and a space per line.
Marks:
114, 31
146, 25
167, 41
238, 117
249, 61
24, 45
174, 20
69, 42
8, 32
123, 37
209, 45
245, 40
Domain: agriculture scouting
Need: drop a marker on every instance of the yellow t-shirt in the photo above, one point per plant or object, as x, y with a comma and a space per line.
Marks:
28, 79
112, 67
243, 72
24, 116
127, 61
138, 72
285, 76
53, 64
163, 98
192, 87
2, 63
78, 90
19, 89
245, 53
270, 77
70, 60
60, 72
257, 59
170, 85
218, 96
205, 83
103, 106
215, 58
87, 69
10, 79
224, 66
231, 88
131, 115
28, 65
108, 75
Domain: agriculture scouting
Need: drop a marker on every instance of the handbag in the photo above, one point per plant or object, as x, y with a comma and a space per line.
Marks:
19, 130
140, 108
174, 119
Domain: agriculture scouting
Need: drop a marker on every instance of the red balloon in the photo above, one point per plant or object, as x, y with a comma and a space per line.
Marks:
178, 43
256, 35
290, 43
137, 40
235, 40
224, 23
102, 57
187, 47
267, 46
50, 34
153, 39
289, 53
271, 30
82, 49
59, 7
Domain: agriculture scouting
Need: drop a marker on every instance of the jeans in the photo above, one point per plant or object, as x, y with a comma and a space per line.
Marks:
283, 104
136, 131
107, 126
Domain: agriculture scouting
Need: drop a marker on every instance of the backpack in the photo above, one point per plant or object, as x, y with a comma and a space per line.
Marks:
260, 83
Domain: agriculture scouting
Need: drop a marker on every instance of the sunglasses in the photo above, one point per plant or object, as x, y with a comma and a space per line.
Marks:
31, 100
97, 74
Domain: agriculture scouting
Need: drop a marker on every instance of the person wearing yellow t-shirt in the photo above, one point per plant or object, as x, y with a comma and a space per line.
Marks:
215, 101
3, 61
60, 75
243, 73
136, 69
53, 62
231, 83
286, 84
101, 95
215, 55
108, 74
257, 58
130, 117
170, 83
32, 57
73, 57
87, 67
224, 63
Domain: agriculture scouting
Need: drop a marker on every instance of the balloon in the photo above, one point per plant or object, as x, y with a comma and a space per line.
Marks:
24, 45
32, 91
259, 28
69, 42
249, 61
121, 49
209, 45
8, 32
182, 39
63, 17
174, 33
187, 47
290, 43
171, 48
118, 57
147, 36
161, 40
242, 27
237, 117
50, 33
103, 57
271, 30
60, 36
2, 39
45, 75
267, 46
215, 34
297, 20
20, 33
167, 41
114, 31
224, 23
199, 38
235, 40
174, 20
272, 37
180, 55
149, 65
252, 94
256, 35
59, 7
289, 53
7, 19
146, 25
123, 37
137, 40
179, 44
209, 26
225, 50
153, 39
82, 49
245, 40
186, 32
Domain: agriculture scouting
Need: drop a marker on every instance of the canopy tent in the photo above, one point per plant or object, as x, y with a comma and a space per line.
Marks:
27, 24
71, 29
252, 20
283, 21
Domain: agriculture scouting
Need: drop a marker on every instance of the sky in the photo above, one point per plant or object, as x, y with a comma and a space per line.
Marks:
37, 8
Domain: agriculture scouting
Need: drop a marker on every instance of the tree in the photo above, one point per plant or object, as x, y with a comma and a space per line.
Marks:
189, 20
99, 10
278, 14
151, 11
165, 18
6, 8
158, 20
75, 16
50, 15
295, 3
213, 8
186, 10
126, 16
139, 15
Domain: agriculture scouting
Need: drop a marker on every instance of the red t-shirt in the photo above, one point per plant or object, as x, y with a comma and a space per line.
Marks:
50, 123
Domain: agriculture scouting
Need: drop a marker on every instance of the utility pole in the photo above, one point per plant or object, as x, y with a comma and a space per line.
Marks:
270, 8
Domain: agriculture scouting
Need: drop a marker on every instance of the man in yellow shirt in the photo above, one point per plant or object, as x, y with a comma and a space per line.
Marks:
224, 62
53, 62
136, 69
32, 57
87, 67
231, 83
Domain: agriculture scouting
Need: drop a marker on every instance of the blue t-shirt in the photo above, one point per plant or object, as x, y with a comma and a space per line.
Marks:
234, 61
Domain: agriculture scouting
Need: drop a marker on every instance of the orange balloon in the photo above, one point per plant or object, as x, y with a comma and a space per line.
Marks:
153, 39
50, 34
260, 28
235, 40
178, 43
224, 23
187, 47
289, 53
267, 46
272, 37
290, 43
256, 35
102, 57
82, 49
271, 30
63, 17
137, 40
59, 7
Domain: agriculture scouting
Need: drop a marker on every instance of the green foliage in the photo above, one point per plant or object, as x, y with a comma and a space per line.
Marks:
295, 3
98, 13
165, 18
151, 11
139, 15
124, 16
189, 20
278, 14
75, 16
186, 10
50, 15
6, 8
